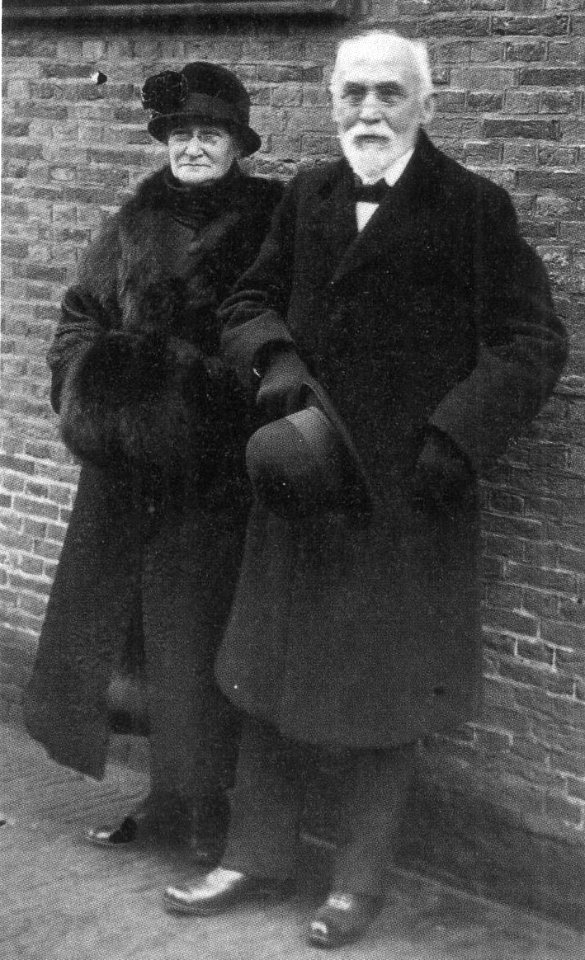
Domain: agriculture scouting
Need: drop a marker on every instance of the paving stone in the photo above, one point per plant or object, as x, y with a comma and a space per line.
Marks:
63, 899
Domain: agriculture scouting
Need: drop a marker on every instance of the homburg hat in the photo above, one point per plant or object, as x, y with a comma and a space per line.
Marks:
306, 464
200, 91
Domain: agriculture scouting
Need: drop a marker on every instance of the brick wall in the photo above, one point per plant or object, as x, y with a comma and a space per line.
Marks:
510, 80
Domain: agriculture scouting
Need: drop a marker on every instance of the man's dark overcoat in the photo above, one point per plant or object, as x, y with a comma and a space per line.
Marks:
158, 524
364, 631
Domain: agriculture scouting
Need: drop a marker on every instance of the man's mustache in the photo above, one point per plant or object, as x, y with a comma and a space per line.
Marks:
377, 133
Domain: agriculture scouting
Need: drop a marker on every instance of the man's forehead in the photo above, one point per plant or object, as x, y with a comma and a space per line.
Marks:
370, 68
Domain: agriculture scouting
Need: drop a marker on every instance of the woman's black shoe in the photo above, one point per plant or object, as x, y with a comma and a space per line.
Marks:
169, 819
172, 821
125, 832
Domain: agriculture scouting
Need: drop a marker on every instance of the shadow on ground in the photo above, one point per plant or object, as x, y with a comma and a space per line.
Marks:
65, 900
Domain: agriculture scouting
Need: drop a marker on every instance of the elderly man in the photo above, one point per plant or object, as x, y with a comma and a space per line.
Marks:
397, 282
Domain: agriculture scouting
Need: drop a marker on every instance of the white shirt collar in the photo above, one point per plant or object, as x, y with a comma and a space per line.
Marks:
395, 170
364, 210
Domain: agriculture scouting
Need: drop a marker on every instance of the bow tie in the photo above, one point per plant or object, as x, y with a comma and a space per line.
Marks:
371, 193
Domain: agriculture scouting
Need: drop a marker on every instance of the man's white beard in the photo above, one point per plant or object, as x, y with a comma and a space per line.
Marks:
370, 160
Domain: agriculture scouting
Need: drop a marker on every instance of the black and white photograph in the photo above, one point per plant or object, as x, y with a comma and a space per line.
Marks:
292, 480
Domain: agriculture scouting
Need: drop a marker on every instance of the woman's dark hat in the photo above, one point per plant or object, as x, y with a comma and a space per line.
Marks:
305, 464
200, 91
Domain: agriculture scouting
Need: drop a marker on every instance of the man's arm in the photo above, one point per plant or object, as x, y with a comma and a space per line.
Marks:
256, 341
522, 346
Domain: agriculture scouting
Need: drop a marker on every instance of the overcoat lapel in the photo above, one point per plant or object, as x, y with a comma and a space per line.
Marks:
333, 223
400, 221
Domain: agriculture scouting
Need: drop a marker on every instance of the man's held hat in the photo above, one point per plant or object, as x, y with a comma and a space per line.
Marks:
305, 464
200, 91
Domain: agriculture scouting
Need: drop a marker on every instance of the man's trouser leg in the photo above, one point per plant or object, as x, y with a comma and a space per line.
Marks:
267, 803
372, 804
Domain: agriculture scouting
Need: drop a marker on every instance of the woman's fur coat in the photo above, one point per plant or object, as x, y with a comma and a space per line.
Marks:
156, 533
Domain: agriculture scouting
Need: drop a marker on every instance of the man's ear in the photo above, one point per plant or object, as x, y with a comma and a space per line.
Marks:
427, 106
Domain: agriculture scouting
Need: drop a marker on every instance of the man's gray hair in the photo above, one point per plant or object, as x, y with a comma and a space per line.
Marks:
377, 43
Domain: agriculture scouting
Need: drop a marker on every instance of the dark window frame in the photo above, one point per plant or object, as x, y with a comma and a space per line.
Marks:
152, 10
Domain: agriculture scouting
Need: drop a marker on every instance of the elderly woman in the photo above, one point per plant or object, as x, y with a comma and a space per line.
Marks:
154, 544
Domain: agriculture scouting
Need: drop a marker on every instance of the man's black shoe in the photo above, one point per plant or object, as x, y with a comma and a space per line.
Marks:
343, 918
218, 891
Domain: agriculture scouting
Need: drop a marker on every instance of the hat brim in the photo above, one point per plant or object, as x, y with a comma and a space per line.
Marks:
313, 393
306, 464
160, 127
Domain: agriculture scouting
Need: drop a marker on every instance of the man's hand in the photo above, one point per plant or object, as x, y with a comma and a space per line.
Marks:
442, 477
280, 386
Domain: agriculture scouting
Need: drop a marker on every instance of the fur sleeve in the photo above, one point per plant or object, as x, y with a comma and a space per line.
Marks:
89, 307
139, 402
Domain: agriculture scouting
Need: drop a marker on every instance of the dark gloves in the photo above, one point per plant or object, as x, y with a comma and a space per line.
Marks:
282, 374
442, 478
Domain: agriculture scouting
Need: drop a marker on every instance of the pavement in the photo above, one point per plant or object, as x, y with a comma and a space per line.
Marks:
63, 899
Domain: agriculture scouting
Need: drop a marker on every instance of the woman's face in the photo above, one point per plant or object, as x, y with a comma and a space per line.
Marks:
201, 152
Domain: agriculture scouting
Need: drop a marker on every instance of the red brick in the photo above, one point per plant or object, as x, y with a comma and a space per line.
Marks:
475, 26
536, 651
524, 6
17, 463
36, 508
553, 76
486, 78
540, 602
571, 558
20, 583
572, 609
561, 718
521, 527
482, 153
559, 581
534, 129
504, 547
501, 643
484, 102
570, 661
537, 676
559, 101
45, 548
31, 566
529, 750
522, 101
563, 183
59, 70
525, 50
529, 26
